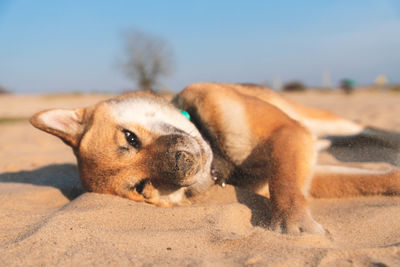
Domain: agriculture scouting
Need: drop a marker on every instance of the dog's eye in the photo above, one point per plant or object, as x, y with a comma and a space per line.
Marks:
131, 138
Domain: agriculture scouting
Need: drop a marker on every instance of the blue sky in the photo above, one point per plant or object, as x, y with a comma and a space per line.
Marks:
49, 46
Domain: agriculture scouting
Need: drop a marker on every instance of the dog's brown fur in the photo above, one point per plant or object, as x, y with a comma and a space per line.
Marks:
260, 141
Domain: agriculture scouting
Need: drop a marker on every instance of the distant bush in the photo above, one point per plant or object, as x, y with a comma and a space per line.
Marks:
295, 86
347, 85
3, 90
394, 88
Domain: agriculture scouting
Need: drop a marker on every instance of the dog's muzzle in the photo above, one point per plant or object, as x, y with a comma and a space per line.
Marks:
176, 160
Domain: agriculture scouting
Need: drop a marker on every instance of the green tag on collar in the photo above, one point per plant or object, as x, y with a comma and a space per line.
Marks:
186, 114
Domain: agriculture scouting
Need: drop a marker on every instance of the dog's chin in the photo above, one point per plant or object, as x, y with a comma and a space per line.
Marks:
169, 194
161, 192
163, 196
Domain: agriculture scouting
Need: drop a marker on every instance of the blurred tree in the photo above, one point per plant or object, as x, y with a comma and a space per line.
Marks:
147, 57
295, 86
3, 90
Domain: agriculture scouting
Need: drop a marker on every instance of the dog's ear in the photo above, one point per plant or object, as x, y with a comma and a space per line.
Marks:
66, 124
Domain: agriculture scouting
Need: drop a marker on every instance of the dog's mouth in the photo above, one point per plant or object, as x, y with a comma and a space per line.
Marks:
144, 188
141, 186
215, 176
213, 172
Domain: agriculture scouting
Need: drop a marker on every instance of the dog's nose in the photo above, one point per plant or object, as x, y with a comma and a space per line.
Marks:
185, 166
184, 160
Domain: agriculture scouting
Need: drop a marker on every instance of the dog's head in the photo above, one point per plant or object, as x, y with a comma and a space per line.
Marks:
136, 146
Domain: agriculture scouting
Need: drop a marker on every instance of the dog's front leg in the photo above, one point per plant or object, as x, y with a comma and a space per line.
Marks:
291, 163
290, 213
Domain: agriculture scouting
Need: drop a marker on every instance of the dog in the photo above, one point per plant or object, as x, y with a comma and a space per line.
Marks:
142, 147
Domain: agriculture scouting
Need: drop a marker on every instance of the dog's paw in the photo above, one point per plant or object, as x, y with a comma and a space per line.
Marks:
296, 225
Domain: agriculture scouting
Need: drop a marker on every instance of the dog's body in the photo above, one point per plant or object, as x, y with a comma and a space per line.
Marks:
141, 147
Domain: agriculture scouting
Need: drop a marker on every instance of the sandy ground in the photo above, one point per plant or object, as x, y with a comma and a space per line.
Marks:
47, 219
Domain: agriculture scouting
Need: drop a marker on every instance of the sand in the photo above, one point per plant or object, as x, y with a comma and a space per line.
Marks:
47, 219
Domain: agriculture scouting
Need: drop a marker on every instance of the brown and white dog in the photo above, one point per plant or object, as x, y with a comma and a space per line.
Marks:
140, 146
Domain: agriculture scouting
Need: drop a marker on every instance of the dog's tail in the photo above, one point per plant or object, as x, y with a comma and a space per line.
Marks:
336, 181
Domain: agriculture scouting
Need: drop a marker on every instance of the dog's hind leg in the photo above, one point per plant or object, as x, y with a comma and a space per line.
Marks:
338, 181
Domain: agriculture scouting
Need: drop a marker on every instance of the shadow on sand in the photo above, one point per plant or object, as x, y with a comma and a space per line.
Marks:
61, 176
260, 207
371, 145
363, 149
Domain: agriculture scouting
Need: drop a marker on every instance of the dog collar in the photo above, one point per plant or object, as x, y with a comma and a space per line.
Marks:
186, 114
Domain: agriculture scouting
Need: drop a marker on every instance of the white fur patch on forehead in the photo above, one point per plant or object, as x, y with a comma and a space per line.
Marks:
150, 113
